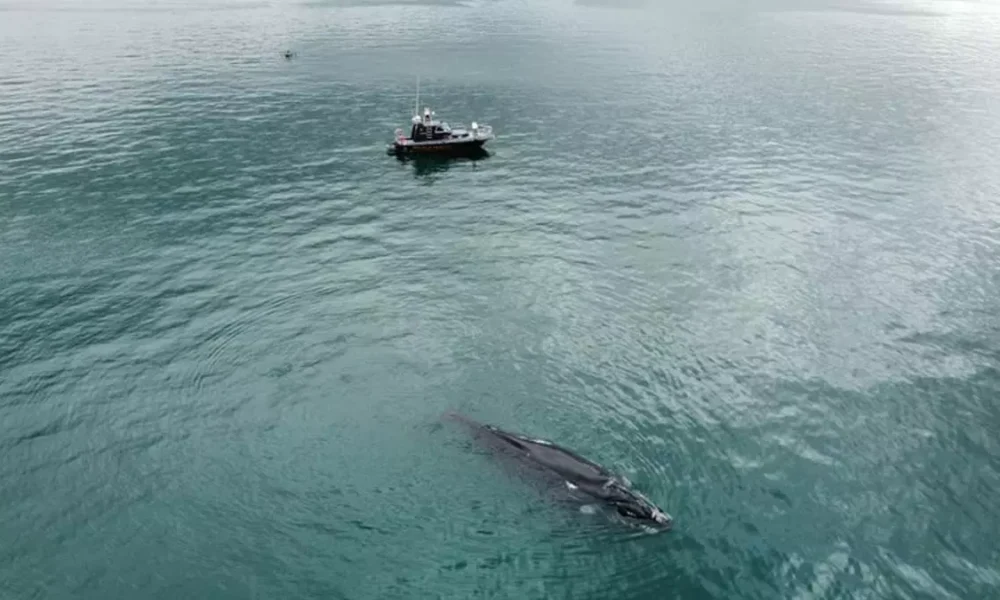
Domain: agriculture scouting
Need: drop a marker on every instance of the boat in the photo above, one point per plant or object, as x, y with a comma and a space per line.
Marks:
431, 136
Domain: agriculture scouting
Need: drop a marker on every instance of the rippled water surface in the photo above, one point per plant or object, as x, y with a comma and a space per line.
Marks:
745, 254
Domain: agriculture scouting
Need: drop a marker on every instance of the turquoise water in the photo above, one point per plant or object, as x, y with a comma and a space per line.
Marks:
744, 253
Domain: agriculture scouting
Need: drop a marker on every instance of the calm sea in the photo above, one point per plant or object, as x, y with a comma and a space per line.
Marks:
745, 253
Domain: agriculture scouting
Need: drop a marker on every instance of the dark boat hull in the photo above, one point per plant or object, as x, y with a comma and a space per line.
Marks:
473, 147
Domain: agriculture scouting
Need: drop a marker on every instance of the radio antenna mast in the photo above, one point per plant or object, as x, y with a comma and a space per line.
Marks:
416, 102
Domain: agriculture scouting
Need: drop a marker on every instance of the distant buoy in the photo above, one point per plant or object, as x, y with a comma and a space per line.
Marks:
289, 54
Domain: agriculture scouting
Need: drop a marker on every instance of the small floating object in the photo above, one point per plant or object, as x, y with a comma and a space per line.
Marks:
288, 54
430, 136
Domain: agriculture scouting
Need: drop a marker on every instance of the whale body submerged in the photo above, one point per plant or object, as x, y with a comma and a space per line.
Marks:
579, 475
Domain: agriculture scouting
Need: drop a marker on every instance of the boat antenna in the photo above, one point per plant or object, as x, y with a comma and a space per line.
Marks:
416, 103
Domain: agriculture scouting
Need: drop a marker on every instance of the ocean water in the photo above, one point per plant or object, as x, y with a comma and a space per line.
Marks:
745, 254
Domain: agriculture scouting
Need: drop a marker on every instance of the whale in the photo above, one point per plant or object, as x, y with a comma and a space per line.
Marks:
581, 478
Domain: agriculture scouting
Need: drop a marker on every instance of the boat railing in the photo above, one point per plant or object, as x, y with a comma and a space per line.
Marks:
477, 131
483, 131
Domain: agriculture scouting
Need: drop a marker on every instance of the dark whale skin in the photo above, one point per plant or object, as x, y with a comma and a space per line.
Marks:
554, 462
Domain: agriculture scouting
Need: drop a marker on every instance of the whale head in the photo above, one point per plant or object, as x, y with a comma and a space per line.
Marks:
633, 505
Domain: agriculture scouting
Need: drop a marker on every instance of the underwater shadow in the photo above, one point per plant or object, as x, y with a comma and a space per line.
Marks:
426, 166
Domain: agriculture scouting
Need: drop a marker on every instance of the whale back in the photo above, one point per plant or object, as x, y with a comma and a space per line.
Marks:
579, 474
551, 457
567, 464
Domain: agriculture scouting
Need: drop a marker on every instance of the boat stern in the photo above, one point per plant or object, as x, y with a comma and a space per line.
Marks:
482, 132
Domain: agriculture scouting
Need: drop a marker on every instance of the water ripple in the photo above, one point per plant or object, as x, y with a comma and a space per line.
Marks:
744, 257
